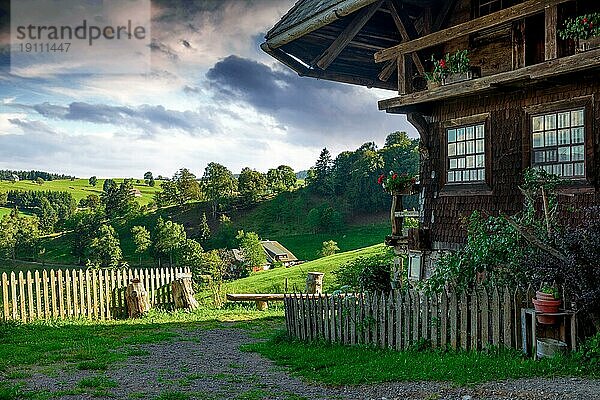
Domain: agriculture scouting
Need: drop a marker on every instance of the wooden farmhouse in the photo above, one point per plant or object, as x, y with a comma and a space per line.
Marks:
528, 99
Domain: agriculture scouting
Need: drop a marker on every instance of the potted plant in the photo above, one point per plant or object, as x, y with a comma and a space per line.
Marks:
397, 184
584, 30
452, 68
546, 302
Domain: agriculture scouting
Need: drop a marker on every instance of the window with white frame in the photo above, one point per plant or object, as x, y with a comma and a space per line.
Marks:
466, 153
558, 142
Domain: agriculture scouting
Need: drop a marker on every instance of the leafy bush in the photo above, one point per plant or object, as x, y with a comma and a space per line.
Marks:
372, 273
589, 351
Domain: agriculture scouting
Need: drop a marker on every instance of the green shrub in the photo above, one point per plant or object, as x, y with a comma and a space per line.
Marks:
371, 273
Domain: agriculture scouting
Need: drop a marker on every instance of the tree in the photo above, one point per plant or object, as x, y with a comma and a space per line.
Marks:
39, 181
151, 182
84, 225
47, 215
92, 201
119, 201
254, 254
281, 179
218, 184
105, 248
321, 181
397, 139
252, 185
191, 254
148, 176
108, 185
93, 181
188, 187
3, 199
215, 269
19, 235
141, 239
168, 238
329, 248
204, 229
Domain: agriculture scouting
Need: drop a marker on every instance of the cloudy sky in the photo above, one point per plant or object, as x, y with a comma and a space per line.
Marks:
211, 95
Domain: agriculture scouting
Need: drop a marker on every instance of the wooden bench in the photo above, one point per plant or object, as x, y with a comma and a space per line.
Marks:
262, 300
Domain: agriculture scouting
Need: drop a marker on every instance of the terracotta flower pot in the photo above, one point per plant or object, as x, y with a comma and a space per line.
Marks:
546, 306
544, 296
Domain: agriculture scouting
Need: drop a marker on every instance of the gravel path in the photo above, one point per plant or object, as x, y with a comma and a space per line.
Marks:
208, 364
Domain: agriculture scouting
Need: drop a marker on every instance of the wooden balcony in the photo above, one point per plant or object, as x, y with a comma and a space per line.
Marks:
403, 55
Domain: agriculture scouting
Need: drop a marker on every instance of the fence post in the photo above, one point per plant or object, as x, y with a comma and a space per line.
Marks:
30, 295
435, 321
21, 297
507, 318
496, 317
463, 320
485, 318
474, 320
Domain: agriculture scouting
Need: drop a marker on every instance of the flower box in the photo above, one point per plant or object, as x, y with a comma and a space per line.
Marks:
588, 44
455, 78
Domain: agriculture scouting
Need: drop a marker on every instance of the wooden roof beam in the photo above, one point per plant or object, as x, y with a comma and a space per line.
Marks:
442, 17
326, 58
407, 32
518, 11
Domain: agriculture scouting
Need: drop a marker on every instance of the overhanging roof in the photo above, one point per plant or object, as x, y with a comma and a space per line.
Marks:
337, 39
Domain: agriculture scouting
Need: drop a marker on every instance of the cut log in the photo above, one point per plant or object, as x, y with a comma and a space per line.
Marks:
314, 283
183, 293
137, 299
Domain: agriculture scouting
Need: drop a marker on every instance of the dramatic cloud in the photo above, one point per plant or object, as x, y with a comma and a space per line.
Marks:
149, 119
309, 109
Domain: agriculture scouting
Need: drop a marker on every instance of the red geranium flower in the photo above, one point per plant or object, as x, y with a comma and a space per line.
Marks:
380, 179
443, 63
395, 176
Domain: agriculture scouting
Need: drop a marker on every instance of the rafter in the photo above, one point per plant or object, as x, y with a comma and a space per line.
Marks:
326, 58
441, 18
407, 32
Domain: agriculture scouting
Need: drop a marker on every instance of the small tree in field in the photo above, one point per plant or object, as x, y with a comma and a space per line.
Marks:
39, 181
204, 228
254, 254
141, 239
93, 181
168, 238
105, 249
215, 268
329, 248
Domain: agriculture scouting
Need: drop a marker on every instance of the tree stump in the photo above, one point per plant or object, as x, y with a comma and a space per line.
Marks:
314, 282
137, 299
183, 293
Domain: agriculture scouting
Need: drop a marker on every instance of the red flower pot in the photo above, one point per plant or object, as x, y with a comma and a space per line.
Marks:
546, 306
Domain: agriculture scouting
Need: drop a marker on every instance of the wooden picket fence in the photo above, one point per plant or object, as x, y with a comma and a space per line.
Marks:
80, 293
398, 320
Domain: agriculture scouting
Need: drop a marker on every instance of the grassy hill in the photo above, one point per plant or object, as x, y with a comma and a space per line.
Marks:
79, 188
273, 281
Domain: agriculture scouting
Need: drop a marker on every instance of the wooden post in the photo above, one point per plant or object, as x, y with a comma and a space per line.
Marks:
314, 282
183, 293
551, 34
137, 299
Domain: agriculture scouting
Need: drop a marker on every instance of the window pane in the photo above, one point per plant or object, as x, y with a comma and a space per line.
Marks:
473, 174
564, 120
461, 163
460, 148
480, 146
470, 146
564, 136
564, 154
577, 118
577, 135
452, 149
550, 122
451, 135
481, 174
537, 124
578, 169
460, 134
577, 153
538, 140
568, 170
479, 131
470, 161
470, 130
457, 176
551, 155
557, 169
538, 157
453, 163
548, 168
480, 161
550, 138
451, 176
